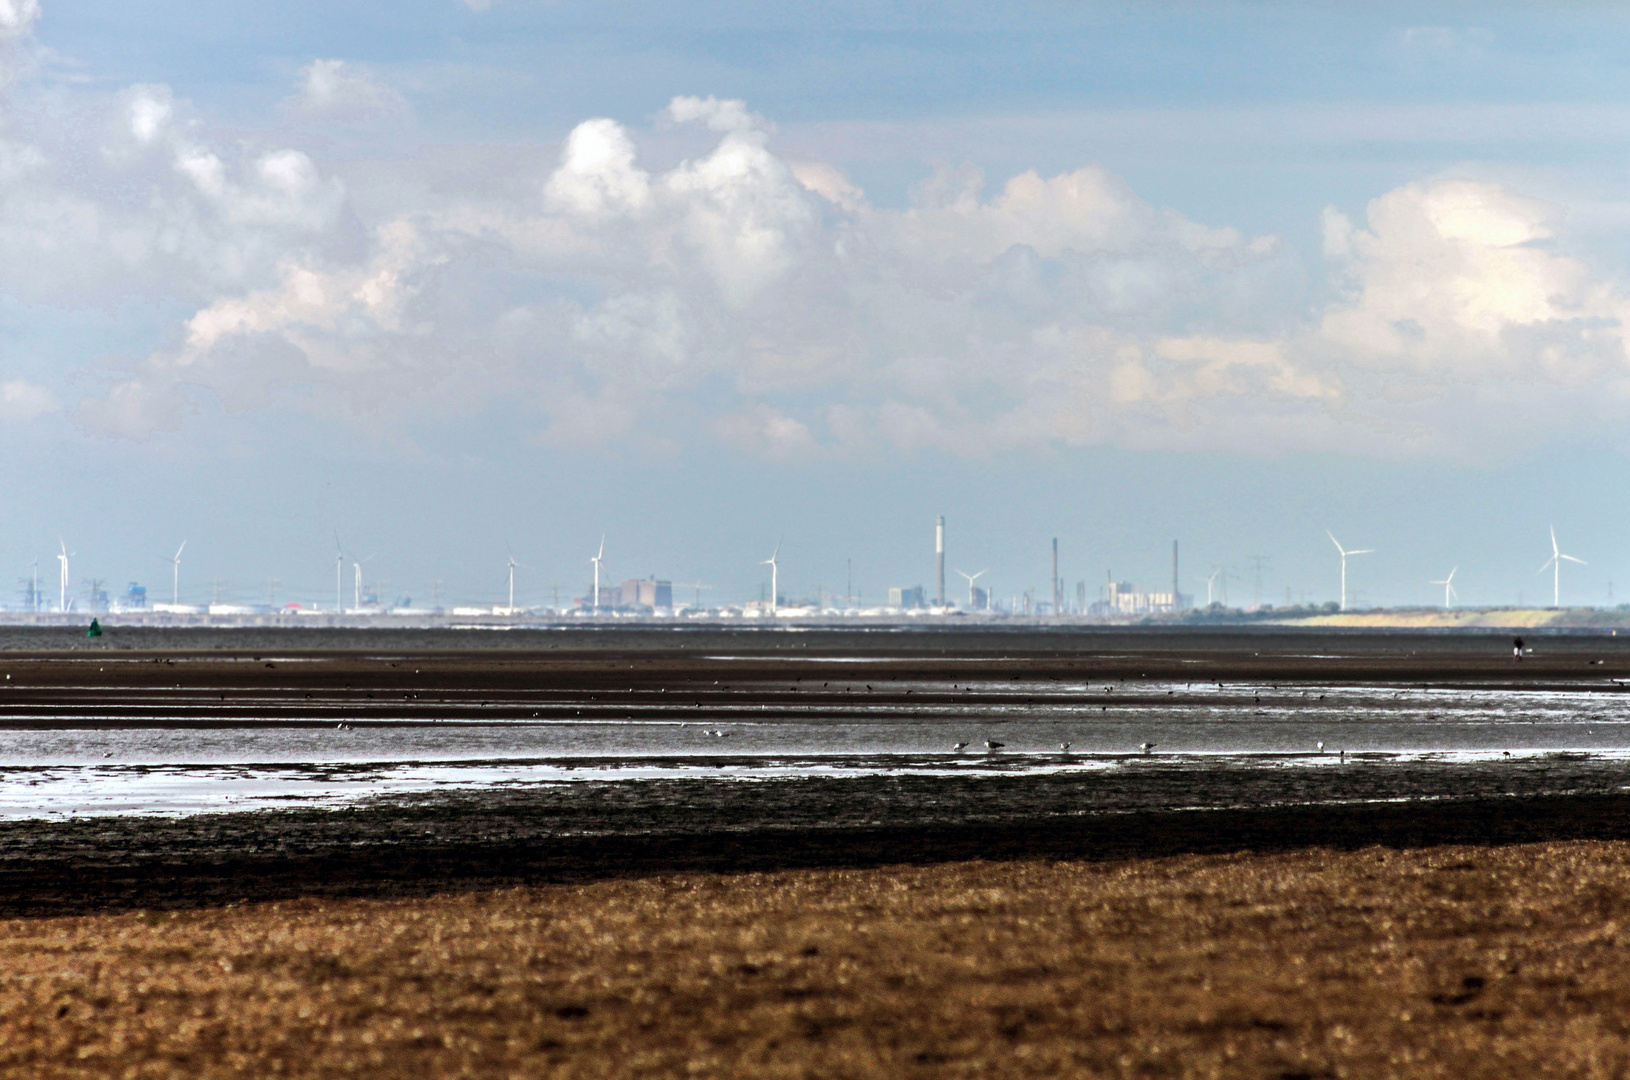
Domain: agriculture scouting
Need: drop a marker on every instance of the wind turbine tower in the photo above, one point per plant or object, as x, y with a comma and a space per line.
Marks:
1554, 564
598, 561
512, 565
939, 560
1344, 554
1448, 584
775, 578
62, 559
175, 574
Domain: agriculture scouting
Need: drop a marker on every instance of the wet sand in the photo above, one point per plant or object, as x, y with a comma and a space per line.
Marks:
144, 677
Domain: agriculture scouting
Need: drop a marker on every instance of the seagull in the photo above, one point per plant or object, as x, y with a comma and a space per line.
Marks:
1321, 746
1064, 746
960, 746
1146, 747
993, 745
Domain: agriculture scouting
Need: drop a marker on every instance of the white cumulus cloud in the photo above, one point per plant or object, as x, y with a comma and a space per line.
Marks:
337, 90
768, 305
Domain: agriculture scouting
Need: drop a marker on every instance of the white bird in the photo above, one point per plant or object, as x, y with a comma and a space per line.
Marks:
1321, 746
1064, 746
1146, 747
989, 745
960, 746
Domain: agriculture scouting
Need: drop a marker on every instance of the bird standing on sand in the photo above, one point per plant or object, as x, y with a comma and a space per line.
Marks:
960, 746
1064, 746
1146, 747
1321, 746
989, 745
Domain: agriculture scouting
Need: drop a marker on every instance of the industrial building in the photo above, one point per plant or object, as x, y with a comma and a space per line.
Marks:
635, 594
914, 597
1123, 598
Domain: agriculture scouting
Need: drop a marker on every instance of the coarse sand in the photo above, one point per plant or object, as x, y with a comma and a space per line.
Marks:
1446, 961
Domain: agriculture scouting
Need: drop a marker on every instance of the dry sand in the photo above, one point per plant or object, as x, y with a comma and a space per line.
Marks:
1443, 961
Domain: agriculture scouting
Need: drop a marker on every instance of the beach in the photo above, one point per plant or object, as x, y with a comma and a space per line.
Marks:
829, 888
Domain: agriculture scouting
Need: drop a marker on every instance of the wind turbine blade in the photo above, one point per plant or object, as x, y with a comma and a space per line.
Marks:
1360, 551
1546, 567
1570, 558
602, 552
179, 550
1334, 541
1554, 549
1453, 572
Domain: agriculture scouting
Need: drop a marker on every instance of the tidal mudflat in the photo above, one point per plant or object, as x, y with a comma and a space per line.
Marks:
650, 852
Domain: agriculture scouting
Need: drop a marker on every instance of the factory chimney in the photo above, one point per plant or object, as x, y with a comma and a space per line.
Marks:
1176, 604
1058, 588
939, 561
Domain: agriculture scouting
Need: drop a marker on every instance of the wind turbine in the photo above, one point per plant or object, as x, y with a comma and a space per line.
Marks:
175, 574
1554, 564
1344, 554
512, 565
775, 570
1449, 588
62, 603
971, 579
1209, 582
598, 561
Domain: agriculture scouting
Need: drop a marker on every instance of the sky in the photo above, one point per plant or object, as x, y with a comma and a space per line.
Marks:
444, 281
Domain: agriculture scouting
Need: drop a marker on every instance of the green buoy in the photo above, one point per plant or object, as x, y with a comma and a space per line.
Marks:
95, 630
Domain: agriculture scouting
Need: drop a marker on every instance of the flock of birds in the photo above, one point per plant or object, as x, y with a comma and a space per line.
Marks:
1063, 747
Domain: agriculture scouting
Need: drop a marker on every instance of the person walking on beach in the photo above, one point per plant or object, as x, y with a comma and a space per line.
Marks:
1516, 649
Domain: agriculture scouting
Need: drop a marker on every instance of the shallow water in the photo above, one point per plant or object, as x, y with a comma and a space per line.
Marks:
1271, 732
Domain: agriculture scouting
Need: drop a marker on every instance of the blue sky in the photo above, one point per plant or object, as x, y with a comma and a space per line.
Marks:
443, 278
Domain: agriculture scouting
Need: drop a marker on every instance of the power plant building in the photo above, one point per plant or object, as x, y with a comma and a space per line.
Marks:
1122, 598
635, 594
901, 597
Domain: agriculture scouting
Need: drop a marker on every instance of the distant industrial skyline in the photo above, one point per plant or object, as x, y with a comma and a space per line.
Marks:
1234, 584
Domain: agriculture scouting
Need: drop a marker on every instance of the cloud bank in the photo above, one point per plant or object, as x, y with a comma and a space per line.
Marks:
741, 298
